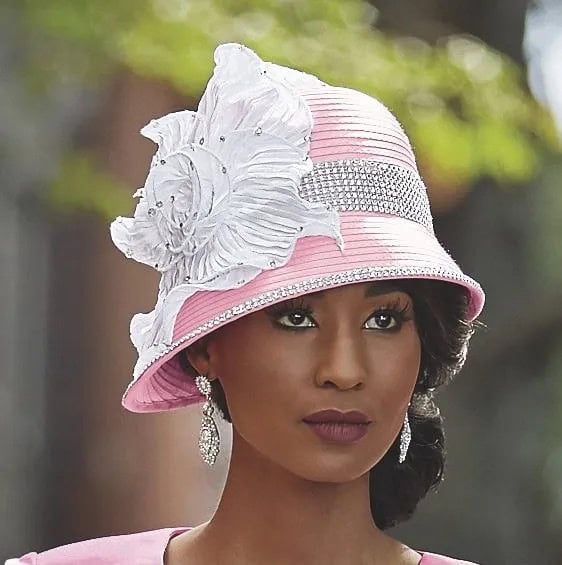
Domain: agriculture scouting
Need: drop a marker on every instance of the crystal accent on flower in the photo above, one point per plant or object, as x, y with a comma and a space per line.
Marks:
215, 238
368, 186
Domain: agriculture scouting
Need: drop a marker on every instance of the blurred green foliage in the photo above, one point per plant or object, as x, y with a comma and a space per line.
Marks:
543, 244
82, 185
465, 106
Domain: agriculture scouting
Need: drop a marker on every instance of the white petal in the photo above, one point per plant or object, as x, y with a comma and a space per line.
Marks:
221, 201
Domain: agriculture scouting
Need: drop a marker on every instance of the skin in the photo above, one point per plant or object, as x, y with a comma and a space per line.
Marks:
291, 497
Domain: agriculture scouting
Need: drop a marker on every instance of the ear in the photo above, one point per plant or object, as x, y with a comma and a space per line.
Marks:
199, 358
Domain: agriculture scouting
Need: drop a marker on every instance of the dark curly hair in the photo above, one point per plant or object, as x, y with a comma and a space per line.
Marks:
441, 320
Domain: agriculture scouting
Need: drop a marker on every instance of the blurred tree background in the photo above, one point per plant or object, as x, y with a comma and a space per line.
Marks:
79, 79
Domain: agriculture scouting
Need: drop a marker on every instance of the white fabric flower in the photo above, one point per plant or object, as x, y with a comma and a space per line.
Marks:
221, 204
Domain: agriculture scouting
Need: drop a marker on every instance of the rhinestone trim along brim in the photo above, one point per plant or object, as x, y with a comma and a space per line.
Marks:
368, 186
312, 285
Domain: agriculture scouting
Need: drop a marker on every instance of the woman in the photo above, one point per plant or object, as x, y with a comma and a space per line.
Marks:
305, 298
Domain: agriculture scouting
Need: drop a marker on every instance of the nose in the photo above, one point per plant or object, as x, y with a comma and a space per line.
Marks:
341, 362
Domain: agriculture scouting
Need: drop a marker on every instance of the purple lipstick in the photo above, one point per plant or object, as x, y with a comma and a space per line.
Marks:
338, 427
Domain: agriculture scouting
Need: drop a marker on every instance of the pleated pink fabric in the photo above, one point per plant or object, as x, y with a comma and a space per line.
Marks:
351, 125
347, 125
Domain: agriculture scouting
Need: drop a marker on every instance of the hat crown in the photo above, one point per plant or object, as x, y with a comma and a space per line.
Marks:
363, 160
349, 124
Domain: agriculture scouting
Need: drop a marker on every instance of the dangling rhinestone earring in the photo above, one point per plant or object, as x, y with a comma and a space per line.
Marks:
209, 440
405, 438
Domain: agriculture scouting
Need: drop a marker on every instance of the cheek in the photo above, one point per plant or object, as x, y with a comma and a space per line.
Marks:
394, 365
258, 375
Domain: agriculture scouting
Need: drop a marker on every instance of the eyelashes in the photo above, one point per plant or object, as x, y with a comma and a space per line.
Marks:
296, 314
294, 311
291, 305
391, 311
396, 306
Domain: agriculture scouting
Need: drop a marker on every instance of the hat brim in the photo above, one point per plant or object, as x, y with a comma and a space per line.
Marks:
376, 247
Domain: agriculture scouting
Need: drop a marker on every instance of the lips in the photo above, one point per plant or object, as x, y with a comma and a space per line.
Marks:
334, 426
335, 416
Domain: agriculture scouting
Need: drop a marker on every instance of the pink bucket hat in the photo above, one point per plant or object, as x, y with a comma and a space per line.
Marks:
279, 185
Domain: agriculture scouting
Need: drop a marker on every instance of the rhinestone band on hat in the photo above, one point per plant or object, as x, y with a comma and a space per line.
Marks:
368, 186
311, 285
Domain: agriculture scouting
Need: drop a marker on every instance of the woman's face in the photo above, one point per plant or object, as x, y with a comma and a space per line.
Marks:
355, 347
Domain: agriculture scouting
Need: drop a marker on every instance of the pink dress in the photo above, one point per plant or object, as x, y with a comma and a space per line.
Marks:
144, 548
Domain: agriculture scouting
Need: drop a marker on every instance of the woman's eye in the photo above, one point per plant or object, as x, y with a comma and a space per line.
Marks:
296, 320
382, 321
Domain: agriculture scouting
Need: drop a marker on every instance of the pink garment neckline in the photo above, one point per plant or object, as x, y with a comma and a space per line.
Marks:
177, 531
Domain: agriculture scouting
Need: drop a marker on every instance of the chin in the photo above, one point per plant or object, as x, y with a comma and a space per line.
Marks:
332, 469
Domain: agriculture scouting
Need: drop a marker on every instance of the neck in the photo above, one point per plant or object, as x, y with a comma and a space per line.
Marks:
269, 515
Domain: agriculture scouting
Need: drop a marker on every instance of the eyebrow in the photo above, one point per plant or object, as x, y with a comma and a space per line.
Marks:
382, 287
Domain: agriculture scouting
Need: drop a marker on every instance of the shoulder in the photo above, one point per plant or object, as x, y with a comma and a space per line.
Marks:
434, 559
142, 548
